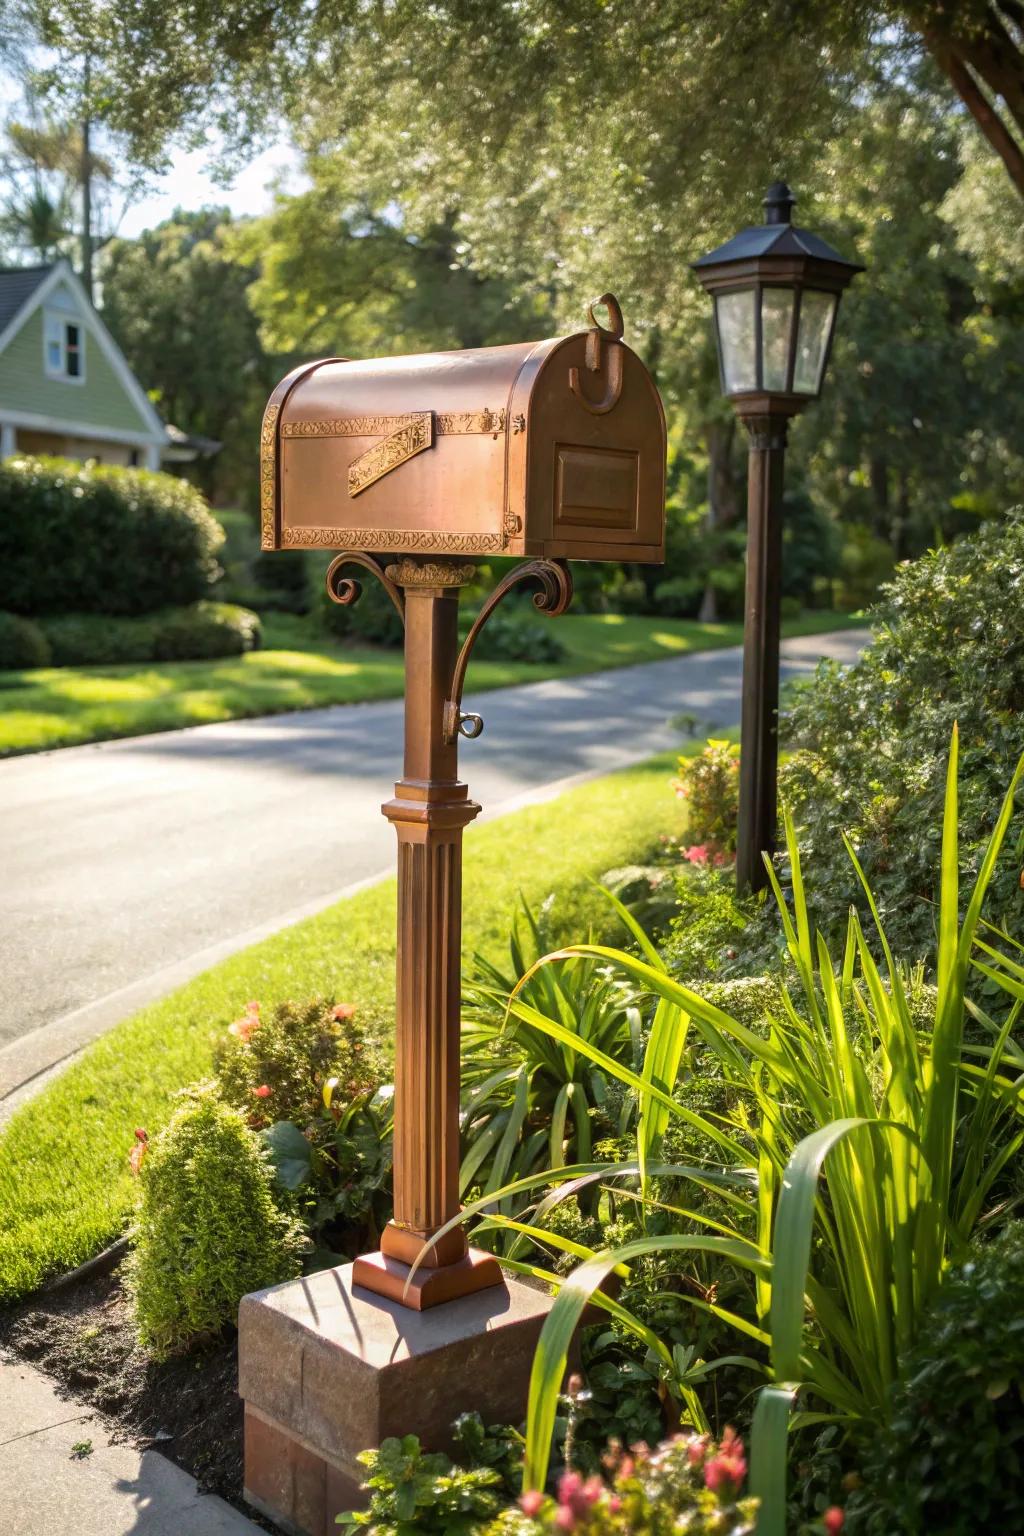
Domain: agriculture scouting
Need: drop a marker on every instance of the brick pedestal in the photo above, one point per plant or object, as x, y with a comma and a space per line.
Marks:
327, 1370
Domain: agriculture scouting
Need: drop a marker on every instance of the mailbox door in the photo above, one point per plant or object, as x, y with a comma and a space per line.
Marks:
591, 472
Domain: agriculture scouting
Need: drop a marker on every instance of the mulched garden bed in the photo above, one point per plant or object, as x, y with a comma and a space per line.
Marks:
188, 1408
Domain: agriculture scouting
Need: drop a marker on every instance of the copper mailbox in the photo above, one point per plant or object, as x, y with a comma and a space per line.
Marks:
552, 449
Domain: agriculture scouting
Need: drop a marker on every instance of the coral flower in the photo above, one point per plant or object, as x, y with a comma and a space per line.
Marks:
833, 1520
242, 1028
344, 1010
262, 1092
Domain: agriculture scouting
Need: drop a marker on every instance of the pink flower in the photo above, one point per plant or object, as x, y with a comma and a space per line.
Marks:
725, 1471
242, 1028
344, 1010
530, 1503
696, 1450
833, 1520
697, 853
576, 1498
262, 1092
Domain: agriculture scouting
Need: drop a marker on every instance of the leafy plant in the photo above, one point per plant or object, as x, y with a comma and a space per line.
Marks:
950, 1458
419, 1493
207, 1229
855, 1111
709, 783
530, 1102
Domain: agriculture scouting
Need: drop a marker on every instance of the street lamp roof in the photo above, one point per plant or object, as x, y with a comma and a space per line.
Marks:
776, 237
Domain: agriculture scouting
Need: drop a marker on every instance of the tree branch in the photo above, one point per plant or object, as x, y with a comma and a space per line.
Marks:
985, 115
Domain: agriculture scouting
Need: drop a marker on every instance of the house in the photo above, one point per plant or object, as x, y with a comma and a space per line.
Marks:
65, 387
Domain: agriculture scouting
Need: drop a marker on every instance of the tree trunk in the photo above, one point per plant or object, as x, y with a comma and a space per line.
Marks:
719, 437
86, 179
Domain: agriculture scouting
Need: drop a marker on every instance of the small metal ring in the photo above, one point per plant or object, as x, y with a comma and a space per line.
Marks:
470, 726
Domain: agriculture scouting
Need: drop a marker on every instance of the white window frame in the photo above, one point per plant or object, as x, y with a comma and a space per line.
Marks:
55, 329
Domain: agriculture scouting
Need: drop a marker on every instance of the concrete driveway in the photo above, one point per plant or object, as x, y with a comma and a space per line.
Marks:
130, 865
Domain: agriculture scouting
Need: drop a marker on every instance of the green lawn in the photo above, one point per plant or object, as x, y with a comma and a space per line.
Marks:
66, 706
64, 1184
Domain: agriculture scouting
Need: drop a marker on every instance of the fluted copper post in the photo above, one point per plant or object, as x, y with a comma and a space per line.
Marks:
429, 810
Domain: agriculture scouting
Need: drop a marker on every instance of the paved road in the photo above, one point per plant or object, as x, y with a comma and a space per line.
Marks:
128, 865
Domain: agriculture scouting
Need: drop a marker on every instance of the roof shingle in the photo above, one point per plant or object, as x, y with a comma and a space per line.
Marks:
16, 285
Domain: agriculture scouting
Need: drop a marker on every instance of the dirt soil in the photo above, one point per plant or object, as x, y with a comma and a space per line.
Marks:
187, 1408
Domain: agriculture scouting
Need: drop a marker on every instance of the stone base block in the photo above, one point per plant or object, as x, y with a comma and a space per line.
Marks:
328, 1369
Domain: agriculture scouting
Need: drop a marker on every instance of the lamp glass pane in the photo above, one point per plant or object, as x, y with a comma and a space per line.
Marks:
776, 326
816, 311
737, 340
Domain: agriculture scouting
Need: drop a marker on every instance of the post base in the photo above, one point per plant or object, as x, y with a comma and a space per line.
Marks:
327, 1370
429, 1287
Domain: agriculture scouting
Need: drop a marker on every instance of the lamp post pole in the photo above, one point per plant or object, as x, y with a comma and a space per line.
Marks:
759, 725
776, 291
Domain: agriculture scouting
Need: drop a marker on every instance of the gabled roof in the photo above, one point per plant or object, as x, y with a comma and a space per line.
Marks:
30, 287
17, 285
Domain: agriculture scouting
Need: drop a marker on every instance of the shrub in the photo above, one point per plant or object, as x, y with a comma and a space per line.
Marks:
205, 631
294, 1054
372, 618
710, 786
950, 1461
207, 1229
199, 632
512, 636
311, 1081
679, 597
122, 541
871, 741
282, 577
22, 644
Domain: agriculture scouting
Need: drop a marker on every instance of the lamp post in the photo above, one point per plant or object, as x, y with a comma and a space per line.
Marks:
776, 291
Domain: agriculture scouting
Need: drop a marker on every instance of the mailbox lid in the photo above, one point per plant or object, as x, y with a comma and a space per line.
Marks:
339, 414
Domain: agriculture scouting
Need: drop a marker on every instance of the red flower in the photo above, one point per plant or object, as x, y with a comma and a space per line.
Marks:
262, 1092
140, 1134
344, 1010
833, 1520
530, 1503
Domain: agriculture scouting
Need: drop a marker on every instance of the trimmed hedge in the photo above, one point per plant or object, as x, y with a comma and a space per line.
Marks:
22, 644
107, 540
200, 632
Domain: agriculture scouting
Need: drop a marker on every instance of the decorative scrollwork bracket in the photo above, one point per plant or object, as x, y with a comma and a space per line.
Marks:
553, 599
346, 589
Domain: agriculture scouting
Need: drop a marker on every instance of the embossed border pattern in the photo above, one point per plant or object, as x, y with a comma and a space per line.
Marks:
412, 539
268, 474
